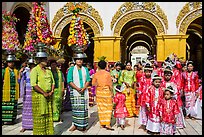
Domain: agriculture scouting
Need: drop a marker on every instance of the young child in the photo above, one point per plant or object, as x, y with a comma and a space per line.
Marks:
154, 95
168, 110
120, 112
145, 82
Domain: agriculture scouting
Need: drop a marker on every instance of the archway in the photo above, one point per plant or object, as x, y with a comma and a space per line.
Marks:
137, 32
194, 41
88, 14
92, 23
189, 21
139, 21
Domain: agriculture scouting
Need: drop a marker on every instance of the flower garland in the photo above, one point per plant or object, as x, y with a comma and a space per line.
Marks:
78, 36
38, 29
31, 38
43, 29
10, 40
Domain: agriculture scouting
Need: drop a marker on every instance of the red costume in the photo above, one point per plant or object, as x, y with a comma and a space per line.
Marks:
168, 109
152, 100
190, 85
190, 82
143, 85
177, 77
177, 94
120, 109
139, 74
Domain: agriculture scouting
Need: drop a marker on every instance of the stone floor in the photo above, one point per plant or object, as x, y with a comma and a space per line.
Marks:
193, 127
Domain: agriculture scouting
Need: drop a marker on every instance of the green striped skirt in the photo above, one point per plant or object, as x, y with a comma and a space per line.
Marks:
79, 111
9, 109
42, 123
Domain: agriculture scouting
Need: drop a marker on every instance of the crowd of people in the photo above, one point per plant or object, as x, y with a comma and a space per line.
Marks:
161, 97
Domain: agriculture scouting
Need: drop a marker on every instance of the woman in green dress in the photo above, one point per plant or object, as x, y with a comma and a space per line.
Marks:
42, 82
129, 80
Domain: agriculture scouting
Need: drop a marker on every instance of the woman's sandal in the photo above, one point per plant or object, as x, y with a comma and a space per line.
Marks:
22, 130
109, 128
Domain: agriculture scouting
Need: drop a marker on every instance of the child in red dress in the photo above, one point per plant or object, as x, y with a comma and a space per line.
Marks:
120, 112
168, 110
154, 95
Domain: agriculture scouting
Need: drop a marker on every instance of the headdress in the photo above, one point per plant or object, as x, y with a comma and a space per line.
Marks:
155, 77
169, 88
168, 69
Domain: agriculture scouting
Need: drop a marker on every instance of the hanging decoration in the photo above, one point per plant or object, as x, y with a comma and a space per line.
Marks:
78, 38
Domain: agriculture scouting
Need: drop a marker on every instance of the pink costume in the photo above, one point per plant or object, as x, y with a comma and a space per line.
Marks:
120, 112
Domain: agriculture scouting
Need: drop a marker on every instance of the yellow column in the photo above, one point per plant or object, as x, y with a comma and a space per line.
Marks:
168, 44
108, 46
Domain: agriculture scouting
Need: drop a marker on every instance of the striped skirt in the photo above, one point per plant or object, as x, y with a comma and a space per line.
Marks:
9, 109
27, 118
79, 110
104, 105
42, 123
130, 101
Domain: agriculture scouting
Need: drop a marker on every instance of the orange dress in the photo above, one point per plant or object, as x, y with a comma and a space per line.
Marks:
103, 82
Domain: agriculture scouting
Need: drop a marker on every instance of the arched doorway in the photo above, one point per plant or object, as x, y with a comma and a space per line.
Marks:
93, 25
68, 53
139, 21
189, 22
137, 32
194, 44
23, 15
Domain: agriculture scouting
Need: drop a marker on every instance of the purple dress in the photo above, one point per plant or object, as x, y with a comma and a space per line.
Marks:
25, 92
93, 88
